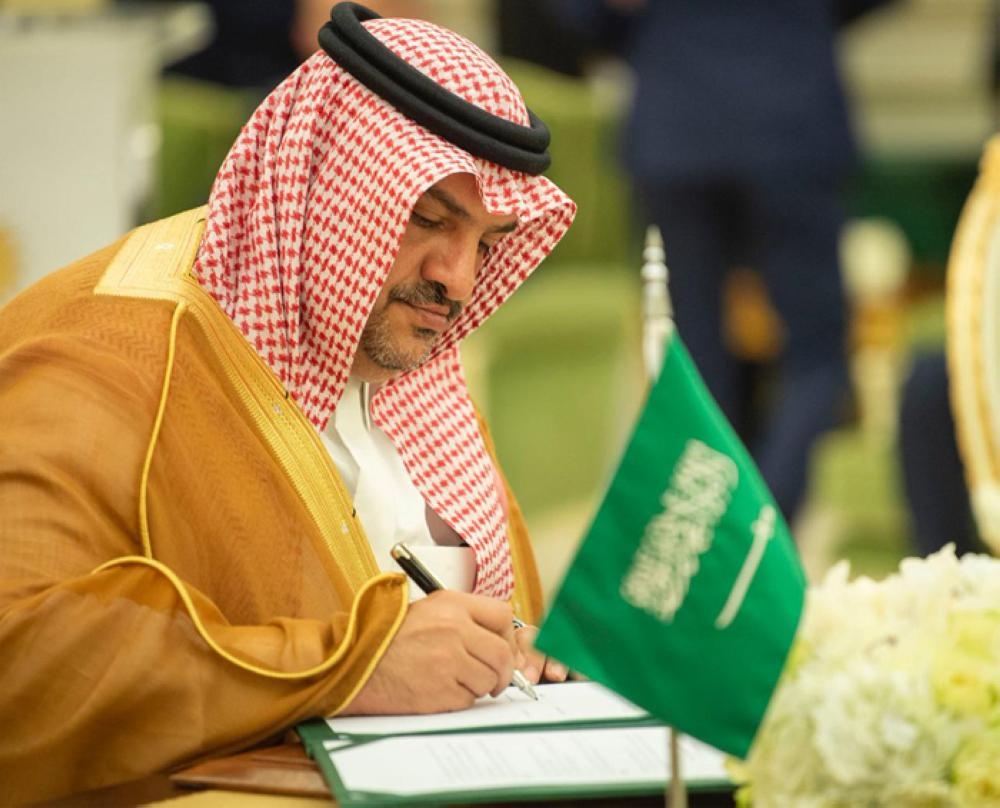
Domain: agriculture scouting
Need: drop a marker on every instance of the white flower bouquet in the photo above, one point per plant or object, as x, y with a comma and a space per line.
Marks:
891, 695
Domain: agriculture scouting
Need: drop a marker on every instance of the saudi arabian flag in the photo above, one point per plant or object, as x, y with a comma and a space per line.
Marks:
685, 595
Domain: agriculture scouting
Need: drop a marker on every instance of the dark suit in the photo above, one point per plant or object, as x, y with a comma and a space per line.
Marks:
932, 475
251, 47
738, 143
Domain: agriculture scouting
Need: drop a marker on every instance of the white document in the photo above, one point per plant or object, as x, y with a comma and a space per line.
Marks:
567, 702
584, 759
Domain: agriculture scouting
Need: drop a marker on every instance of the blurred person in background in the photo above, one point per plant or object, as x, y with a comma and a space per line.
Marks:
257, 43
934, 487
738, 144
213, 431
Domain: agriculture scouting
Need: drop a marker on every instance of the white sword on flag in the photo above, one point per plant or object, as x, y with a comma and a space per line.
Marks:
657, 326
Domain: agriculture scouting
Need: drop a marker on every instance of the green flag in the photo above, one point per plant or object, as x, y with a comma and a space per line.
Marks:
685, 595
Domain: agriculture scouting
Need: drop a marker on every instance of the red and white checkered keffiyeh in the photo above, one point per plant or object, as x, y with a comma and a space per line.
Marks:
304, 223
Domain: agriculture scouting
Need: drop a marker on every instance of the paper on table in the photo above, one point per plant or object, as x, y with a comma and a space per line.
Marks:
580, 758
557, 704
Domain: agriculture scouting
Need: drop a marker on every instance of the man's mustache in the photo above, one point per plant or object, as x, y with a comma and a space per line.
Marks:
418, 294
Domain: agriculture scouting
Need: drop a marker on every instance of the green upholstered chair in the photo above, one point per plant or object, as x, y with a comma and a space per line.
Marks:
199, 122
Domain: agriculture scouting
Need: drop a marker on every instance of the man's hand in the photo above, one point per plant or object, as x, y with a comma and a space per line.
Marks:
451, 649
537, 666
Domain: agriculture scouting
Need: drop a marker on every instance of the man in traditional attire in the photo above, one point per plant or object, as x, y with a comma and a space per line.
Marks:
212, 431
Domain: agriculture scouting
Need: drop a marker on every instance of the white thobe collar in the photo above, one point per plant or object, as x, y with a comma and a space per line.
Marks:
386, 501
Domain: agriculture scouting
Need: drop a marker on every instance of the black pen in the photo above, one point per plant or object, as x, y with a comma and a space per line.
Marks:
425, 579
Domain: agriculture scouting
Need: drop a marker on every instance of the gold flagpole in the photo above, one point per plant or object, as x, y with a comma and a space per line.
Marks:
676, 796
656, 313
656, 327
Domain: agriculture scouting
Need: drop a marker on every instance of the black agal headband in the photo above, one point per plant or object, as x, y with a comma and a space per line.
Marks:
349, 44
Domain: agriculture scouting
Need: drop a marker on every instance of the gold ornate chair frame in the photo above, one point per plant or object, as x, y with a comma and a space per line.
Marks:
973, 343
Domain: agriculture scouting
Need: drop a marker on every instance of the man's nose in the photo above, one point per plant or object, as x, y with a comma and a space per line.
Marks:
454, 266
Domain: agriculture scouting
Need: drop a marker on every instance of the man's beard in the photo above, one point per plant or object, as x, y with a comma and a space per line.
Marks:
378, 340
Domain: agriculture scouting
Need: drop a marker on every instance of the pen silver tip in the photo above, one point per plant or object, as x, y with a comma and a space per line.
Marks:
522, 683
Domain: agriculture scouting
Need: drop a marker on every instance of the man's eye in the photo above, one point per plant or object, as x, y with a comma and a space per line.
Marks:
423, 221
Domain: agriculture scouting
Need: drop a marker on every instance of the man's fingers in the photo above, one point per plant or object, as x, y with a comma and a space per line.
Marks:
537, 666
555, 671
452, 648
480, 679
493, 615
495, 653
485, 631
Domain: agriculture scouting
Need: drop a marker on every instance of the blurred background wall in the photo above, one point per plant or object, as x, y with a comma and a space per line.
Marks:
100, 133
